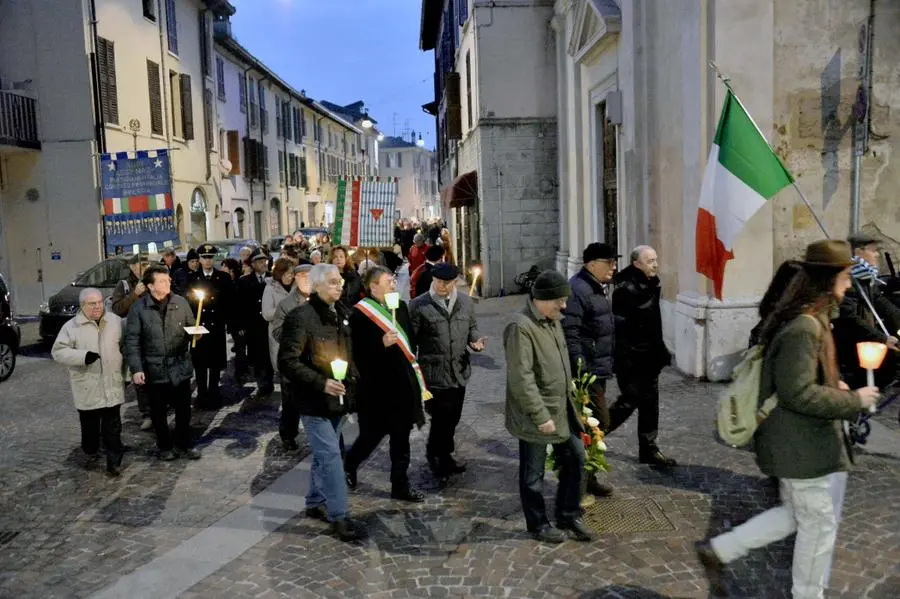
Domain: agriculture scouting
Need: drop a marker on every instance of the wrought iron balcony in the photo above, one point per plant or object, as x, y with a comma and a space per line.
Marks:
18, 120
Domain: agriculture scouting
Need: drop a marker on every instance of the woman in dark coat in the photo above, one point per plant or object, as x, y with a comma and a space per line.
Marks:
353, 286
389, 394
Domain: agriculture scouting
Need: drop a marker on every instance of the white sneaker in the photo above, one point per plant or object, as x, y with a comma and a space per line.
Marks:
146, 424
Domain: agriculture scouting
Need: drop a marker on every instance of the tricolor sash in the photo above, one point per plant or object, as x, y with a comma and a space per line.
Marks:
381, 317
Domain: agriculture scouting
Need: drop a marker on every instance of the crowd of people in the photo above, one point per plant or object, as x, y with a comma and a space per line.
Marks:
341, 342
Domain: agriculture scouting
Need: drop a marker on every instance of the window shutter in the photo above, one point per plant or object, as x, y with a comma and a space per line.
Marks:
220, 77
187, 107
156, 115
454, 107
207, 117
265, 161
109, 101
251, 158
303, 177
234, 152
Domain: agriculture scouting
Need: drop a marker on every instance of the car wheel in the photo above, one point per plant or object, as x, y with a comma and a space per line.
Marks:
7, 360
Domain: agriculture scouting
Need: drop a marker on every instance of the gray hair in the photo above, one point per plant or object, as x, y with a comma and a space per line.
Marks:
86, 293
319, 272
418, 238
315, 253
637, 251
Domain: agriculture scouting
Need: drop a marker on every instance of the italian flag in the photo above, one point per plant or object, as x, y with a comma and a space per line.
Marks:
742, 173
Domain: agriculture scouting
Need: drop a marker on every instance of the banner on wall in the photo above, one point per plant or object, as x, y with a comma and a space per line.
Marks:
137, 200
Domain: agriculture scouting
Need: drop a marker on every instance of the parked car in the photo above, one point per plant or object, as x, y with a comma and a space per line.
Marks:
64, 304
10, 334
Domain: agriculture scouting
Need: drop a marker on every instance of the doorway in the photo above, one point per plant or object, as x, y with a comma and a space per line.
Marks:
274, 218
607, 177
198, 217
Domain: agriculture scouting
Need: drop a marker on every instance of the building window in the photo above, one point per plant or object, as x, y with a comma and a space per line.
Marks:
304, 182
242, 91
150, 9
220, 77
182, 106
109, 96
468, 91
263, 115
155, 92
234, 152
399, 160
205, 55
278, 123
240, 216
171, 26
286, 121
207, 117
281, 168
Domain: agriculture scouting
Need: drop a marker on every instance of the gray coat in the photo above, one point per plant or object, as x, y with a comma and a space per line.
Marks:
443, 340
161, 350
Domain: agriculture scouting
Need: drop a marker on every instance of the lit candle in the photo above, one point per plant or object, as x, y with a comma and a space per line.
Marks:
475, 273
871, 355
339, 371
198, 293
392, 301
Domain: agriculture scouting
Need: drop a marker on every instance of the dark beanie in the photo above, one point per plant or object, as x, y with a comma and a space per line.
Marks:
550, 285
434, 253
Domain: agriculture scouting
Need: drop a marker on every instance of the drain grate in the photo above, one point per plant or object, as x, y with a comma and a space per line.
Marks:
7, 535
625, 516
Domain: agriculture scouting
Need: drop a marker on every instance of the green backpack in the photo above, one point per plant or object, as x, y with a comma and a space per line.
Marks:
739, 412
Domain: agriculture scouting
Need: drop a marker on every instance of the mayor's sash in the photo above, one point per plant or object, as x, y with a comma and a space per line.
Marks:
381, 317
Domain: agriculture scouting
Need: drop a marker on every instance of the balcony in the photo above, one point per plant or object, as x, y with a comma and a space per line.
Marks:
18, 121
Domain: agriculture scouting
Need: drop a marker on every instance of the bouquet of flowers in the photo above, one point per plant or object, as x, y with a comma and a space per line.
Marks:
594, 446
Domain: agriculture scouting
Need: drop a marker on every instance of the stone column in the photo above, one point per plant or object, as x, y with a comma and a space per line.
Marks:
562, 93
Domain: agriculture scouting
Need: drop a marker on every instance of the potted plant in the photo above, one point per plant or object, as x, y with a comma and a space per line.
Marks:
592, 437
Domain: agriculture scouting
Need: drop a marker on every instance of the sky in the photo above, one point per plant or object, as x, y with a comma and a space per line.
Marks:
346, 50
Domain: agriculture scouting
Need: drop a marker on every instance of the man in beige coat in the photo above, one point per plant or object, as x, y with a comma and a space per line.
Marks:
89, 344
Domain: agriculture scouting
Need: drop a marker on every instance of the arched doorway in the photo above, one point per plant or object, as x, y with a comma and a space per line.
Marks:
198, 216
239, 217
275, 217
179, 224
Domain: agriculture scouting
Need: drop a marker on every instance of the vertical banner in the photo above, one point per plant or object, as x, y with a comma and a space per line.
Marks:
363, 212
137, 200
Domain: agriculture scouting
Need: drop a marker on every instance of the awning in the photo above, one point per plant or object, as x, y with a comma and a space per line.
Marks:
464, 190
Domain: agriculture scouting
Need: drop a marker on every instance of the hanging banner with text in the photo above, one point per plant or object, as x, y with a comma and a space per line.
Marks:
137, 200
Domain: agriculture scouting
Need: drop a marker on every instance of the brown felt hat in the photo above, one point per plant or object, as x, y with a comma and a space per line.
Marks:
832, 253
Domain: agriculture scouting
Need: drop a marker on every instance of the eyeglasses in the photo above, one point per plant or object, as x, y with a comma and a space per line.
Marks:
335, 282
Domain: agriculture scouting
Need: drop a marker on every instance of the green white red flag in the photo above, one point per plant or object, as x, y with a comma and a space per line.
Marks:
742, 173
364, 212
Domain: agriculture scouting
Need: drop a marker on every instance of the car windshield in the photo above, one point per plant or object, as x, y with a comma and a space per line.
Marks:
106, 274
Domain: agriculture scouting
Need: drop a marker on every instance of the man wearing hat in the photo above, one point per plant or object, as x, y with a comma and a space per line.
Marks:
420, 281
208, 354
180, 276
856, 321
289, 425
254, 328
541, 411
589, 326
444, 326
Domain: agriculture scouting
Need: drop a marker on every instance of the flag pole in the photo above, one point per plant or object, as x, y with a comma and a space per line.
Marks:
726, 81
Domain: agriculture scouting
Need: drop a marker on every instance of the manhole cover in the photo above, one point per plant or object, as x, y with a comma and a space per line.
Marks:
6, 536
626, 515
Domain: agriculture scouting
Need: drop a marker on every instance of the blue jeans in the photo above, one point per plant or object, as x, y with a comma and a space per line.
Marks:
326, 478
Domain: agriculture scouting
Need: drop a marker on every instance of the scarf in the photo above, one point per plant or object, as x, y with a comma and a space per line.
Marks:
442, 302
863, 271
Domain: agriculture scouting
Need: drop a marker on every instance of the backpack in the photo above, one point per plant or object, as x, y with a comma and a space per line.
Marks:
739, 412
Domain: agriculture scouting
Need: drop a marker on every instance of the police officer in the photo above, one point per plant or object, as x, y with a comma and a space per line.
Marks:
254, 328
208, 354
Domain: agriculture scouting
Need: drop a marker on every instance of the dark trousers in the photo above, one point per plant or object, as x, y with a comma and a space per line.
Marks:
370, 436
445, 409
532, 457
241, 361
208, 383
258, 350
102, 424
598, 403
641, 393
162, 396
289, 424
143, 400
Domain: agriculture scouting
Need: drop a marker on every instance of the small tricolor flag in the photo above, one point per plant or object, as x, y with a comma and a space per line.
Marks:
742, 173
147, 203
359, 211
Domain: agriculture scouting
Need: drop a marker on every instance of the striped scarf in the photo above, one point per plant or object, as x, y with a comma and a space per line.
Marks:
863, 271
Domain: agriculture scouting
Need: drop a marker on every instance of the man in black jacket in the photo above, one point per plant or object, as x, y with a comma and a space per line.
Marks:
589, 327
253, 327
640, 352
856, 322
312, 337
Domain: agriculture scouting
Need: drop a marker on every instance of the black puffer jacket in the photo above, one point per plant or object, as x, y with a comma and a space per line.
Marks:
640, 348
589, 326
159, 347
311, 337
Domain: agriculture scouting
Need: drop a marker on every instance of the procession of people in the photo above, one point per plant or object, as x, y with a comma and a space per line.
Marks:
332, 332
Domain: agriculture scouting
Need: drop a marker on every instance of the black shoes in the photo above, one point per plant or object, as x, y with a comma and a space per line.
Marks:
409, 494
289, 445
167, 456
657, 459
347, 530
190, 454
442, 467
317, 513
350, 477
577, 528
597, 488
113, 471
714, 568
548, 534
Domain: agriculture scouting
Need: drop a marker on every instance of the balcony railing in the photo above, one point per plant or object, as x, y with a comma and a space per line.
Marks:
18, 121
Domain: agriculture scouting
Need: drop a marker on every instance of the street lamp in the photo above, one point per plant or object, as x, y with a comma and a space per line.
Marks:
380, 137
367, 124
420, 142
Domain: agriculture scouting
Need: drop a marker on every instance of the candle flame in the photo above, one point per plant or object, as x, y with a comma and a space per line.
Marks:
871, 354
198, 293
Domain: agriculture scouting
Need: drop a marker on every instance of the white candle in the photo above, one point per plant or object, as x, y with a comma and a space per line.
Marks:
339, 371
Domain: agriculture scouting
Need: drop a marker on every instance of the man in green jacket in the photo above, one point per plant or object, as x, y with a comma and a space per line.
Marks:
540, 410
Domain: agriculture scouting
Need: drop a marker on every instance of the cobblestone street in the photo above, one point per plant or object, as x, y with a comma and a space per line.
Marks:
231, 526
